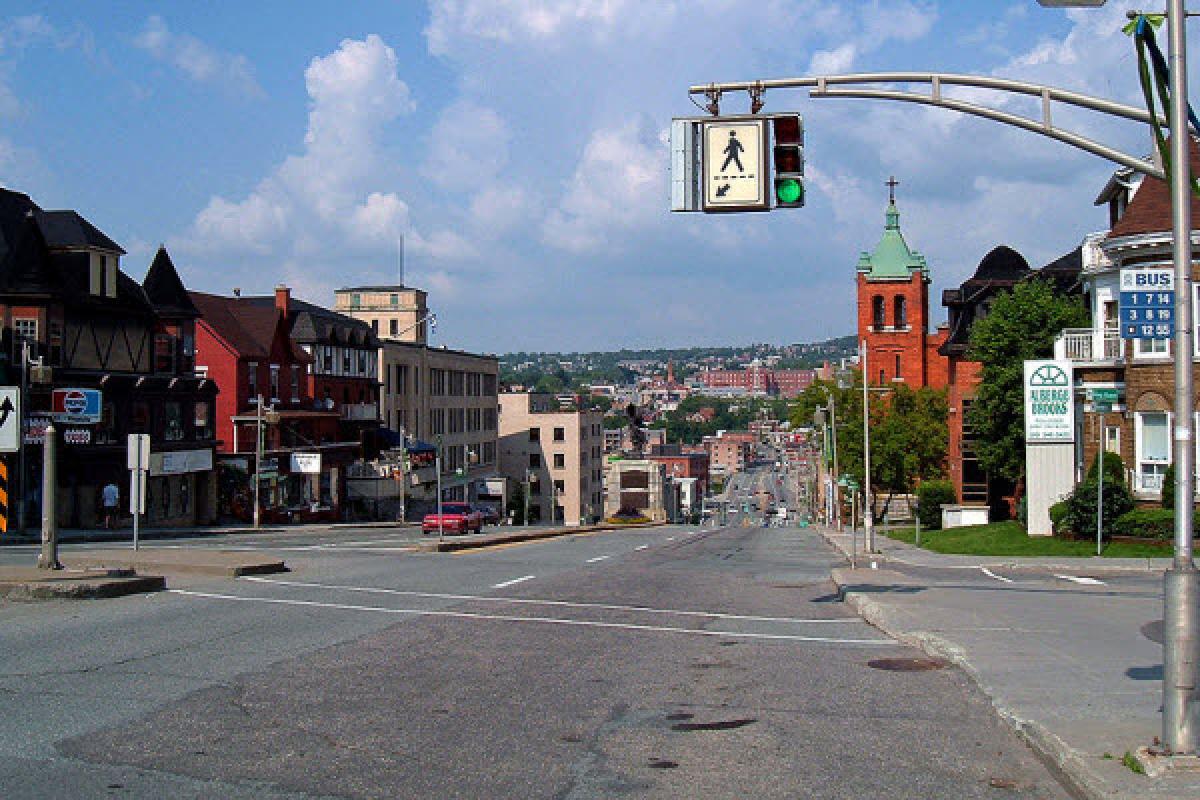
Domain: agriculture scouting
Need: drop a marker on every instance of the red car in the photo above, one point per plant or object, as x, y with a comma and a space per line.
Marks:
456, 518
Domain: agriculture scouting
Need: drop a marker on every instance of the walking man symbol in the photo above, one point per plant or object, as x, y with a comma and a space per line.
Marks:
732, 151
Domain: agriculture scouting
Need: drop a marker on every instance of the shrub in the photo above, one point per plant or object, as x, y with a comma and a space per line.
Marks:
1146, 523
619, 520
1114, 470
1168, 487
1058, 518
1081, 508
930, 497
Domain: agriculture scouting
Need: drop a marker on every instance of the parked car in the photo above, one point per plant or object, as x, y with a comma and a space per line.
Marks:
490, 514
456, 518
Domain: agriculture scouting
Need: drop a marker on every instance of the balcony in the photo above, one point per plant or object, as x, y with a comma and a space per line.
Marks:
360, 411
1090, 346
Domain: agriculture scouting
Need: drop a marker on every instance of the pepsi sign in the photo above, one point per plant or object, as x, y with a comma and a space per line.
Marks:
79, 406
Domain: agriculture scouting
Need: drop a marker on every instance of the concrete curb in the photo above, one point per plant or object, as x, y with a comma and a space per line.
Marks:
82, 588
932, 560
453, 545
1063, 759
183, 562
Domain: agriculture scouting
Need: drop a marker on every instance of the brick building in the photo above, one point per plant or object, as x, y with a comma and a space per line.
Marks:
893, 311
1142, 371
759, 380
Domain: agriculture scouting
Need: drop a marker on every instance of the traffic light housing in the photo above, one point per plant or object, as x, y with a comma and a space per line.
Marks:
788, 161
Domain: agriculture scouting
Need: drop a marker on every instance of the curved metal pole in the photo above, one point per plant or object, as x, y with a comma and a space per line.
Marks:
1073, 139
941, 78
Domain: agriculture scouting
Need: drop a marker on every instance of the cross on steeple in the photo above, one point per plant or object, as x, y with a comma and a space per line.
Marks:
892, 183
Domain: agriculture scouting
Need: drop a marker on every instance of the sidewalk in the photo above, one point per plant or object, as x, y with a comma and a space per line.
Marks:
1075, 671
148, 534
893, 551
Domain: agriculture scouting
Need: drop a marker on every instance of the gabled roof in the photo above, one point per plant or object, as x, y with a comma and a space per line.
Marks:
164, 288
312, 324
1150, 209
69, 230
25, 266
248, 327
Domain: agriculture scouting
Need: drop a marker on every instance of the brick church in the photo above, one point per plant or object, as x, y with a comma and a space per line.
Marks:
893, 311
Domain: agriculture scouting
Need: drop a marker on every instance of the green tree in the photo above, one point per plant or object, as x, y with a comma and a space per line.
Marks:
909, 437
1020, 325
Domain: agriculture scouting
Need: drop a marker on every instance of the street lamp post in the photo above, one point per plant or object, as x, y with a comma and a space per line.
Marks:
868, 506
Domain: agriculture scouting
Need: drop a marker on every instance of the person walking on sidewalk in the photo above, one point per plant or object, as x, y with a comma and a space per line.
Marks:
110, 496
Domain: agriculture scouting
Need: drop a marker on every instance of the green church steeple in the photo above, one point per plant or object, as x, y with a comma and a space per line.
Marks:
892, 259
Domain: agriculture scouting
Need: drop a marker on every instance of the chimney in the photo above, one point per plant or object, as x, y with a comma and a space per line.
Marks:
282, 297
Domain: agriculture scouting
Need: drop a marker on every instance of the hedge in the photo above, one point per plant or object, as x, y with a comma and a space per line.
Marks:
1058, 518
931, 495
1146, 523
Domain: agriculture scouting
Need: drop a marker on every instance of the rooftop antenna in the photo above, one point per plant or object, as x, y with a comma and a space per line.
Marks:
400, 259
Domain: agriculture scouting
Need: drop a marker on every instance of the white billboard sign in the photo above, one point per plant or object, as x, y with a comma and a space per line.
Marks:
735, 165
10, 419
306, 463
1049, 402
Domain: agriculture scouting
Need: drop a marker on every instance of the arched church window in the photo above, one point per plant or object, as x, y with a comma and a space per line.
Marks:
877, 319
900, 310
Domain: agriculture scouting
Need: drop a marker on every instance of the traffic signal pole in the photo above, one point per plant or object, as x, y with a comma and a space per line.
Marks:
1181, 590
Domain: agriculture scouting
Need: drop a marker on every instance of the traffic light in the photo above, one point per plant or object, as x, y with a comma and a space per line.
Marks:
789, 161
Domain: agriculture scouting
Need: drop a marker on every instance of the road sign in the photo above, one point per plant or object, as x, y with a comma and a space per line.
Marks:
3, 497
137, 451
1147, 304
735, 167
1103, 399
10, 419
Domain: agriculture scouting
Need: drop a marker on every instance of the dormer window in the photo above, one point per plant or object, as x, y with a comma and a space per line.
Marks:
102, 274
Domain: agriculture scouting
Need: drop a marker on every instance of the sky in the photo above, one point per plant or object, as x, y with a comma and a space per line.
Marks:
519, 150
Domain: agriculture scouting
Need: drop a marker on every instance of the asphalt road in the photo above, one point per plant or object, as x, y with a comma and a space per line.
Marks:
668, 662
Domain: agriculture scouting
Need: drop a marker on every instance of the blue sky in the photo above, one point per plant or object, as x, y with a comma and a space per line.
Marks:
518, 146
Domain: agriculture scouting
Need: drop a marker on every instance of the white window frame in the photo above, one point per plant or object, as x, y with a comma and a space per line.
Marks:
1139, 437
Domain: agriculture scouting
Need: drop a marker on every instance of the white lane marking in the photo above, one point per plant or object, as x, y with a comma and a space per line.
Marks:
641, 547
545, 620
991, 574
1084, 581
670, 538
597, 558
513, 582
534, 602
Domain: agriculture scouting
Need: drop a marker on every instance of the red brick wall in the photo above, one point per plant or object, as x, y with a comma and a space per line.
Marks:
912, 344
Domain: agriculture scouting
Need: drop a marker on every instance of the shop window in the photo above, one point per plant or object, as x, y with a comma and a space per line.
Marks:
173, 421
203, 420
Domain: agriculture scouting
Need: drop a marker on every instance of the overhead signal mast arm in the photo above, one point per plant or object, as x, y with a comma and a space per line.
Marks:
862, 87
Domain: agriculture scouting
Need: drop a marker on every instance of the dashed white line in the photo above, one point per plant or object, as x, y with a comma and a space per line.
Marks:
641, 547
597, 558
670, 538
991, 574
1083, 580
543, 620
513, 582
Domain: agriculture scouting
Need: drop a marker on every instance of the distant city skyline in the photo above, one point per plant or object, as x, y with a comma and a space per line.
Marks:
518, 148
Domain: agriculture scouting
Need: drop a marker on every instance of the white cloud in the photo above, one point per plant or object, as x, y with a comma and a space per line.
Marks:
832, 62
468, 144
333, 197
618, 185
199, 61
545, 22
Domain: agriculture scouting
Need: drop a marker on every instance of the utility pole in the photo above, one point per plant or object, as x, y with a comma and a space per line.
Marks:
1181, 582
48, 559
437, 460
258, 456
868, 505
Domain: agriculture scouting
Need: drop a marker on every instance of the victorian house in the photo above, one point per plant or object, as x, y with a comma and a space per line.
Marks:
101, 357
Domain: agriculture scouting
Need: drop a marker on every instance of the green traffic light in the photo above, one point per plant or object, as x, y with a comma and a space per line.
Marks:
789, 190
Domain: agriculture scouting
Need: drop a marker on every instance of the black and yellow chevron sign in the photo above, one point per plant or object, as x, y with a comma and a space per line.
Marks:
3, 497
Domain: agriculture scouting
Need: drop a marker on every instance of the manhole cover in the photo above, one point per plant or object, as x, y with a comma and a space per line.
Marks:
907, 664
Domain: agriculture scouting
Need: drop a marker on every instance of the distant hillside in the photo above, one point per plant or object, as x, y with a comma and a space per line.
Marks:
557, 371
